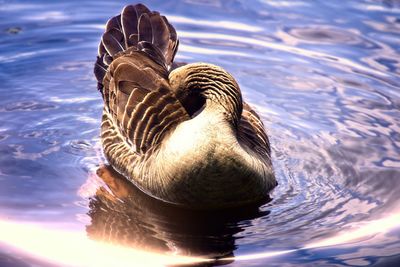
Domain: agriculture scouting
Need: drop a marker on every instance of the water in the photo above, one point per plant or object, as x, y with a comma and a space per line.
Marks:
324, 75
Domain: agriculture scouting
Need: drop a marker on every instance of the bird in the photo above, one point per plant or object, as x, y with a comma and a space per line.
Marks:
179, 132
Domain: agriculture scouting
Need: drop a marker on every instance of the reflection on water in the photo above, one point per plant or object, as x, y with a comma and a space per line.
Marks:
325, 77
60, 247
122, 214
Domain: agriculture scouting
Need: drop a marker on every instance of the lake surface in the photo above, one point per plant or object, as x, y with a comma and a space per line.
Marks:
324, 76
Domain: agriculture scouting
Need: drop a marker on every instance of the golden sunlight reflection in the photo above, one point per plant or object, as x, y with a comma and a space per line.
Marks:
363, 231
67, 248
75, 249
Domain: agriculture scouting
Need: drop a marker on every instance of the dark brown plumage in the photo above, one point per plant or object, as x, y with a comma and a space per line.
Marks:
184, 136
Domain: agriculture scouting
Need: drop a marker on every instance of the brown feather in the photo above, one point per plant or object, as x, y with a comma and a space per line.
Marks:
137, 95
251, 132
130, 17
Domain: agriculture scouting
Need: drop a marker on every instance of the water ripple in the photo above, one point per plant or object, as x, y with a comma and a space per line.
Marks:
324, 77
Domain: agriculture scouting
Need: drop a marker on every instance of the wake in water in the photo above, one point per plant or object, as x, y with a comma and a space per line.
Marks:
323, 76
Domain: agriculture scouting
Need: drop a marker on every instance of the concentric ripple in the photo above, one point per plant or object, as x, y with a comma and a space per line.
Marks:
325, 78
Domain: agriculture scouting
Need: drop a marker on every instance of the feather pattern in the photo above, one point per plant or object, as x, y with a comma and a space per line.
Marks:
251, 132
139, 100
150, 108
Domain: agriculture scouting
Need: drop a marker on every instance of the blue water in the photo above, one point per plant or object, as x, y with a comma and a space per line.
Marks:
324, 76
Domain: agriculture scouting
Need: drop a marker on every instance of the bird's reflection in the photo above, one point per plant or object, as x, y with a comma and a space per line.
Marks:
120, 213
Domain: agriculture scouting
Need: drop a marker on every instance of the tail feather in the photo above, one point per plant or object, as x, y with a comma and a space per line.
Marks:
130, 18
161, 33
152, 51
136, 29
113, 41
145, 28
114, 23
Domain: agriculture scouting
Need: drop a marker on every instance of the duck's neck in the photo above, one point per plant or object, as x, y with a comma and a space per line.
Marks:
193, 138
209, 86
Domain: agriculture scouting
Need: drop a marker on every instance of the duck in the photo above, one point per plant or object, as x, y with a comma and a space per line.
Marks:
181, 133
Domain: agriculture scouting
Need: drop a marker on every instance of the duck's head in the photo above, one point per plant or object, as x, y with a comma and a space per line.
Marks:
205, 86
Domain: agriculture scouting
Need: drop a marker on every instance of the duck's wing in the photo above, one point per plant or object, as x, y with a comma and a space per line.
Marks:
251, 132
136, 24
136, 51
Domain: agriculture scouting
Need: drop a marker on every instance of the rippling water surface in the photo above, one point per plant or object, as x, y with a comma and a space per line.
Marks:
324, 75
